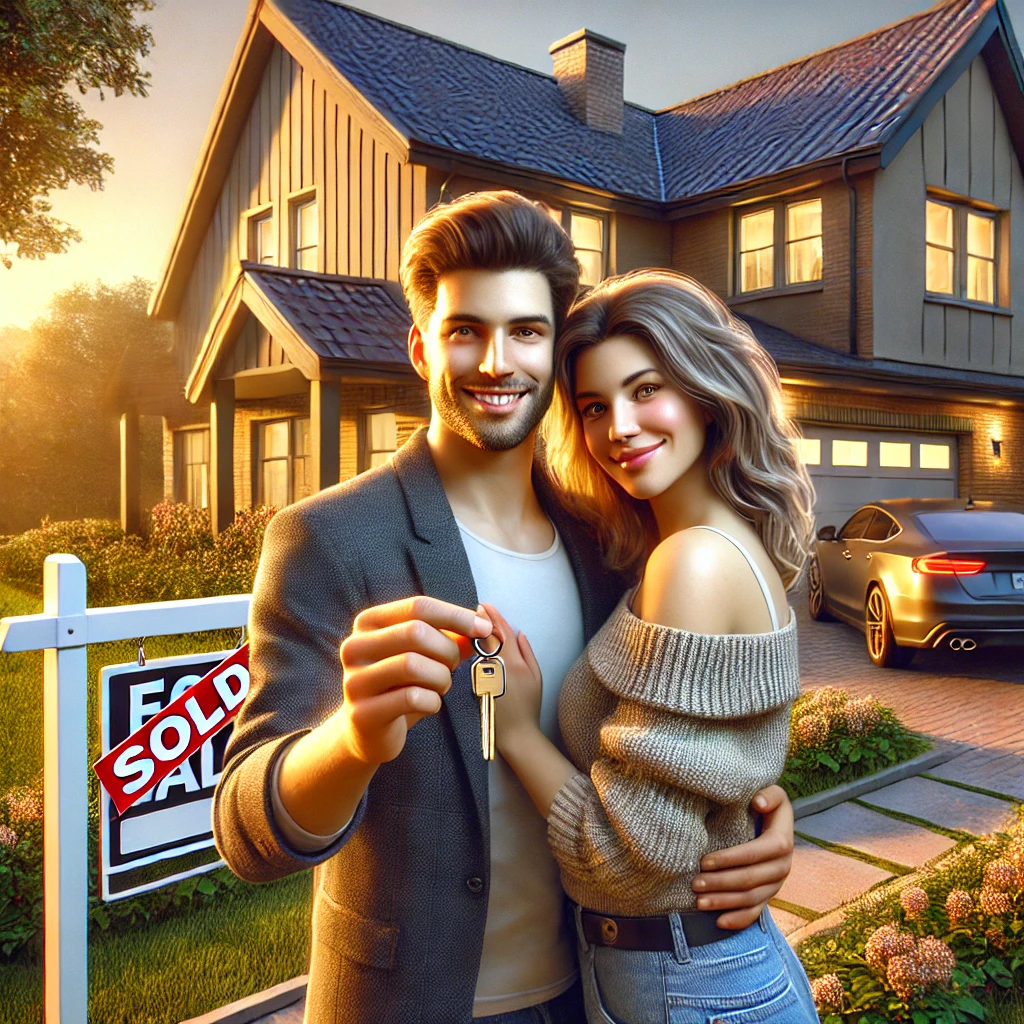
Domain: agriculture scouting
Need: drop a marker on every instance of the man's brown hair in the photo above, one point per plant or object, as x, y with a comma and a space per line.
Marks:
487, 231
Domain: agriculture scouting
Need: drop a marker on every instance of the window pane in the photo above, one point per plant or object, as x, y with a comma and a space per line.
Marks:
934, 456
275, 440
803, 261
853, 528
981, 236
939, 271
591, 264
757, 269
849, 453
808, 450
275, 483
894, 453
301, 481
300, 437
306, 225
980, 278
587, 232
879, 527
265, 232
383, 432
803, 220
757, 230
939, 229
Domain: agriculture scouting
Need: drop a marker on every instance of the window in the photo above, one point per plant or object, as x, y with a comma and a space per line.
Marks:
792, 227
960, 251
283, 462
192, 467
933, 456
849, 453
305, 233
808, 450
262, 244
855, 526
894, 454
587, 234
381, 433
881, 527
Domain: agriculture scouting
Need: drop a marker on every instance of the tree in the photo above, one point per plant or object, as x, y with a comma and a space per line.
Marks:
46, 141
59, 438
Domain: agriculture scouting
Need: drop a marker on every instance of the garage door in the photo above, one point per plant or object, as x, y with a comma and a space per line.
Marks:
853, 466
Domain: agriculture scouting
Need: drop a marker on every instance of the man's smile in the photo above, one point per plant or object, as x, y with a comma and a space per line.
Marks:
496, 398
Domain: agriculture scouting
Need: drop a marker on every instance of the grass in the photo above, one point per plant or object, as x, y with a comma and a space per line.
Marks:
172, 970
168, 970
1004, 1008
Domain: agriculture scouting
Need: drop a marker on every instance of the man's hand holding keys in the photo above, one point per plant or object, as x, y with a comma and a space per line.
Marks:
398, 663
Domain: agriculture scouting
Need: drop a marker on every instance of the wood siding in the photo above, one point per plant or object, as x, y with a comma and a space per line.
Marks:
963, 149
300, 139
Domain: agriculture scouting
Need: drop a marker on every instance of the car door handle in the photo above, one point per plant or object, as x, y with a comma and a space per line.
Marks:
847, 555
868, 556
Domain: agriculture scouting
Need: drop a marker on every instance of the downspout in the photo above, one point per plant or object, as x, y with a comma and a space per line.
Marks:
853, 259
446, 182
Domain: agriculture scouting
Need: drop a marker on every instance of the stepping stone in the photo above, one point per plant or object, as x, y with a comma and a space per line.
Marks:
943, 805
997, 770
289, 1015
821, 880
876, 834
786, 921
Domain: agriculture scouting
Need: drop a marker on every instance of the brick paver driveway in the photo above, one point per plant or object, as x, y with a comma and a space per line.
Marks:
975, 697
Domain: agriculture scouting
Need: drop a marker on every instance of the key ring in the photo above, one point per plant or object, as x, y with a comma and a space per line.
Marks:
486, 654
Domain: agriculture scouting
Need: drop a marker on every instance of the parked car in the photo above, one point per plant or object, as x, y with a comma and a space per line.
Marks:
923, 572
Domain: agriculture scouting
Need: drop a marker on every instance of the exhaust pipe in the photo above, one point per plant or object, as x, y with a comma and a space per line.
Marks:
962, 643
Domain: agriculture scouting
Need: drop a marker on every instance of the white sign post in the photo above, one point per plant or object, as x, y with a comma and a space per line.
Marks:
62, 632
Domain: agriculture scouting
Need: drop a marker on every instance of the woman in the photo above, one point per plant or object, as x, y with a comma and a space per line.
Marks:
667, 435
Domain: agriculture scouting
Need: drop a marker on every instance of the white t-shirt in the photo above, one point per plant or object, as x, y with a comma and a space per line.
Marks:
528, 953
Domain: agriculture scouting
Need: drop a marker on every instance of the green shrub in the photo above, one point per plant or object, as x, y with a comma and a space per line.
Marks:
22, 556
834, 738
923, 949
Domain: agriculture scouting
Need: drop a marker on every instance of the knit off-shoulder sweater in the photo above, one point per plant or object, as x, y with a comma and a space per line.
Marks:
673, 733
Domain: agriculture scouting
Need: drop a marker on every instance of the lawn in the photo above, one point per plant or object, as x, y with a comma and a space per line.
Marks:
166, 970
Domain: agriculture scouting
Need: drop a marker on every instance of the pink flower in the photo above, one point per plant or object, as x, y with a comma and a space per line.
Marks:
812, 730
958, 905
885, 943
905, 973
914, 901
827, 991
8, 837
937, 961
993, 901
1001, 875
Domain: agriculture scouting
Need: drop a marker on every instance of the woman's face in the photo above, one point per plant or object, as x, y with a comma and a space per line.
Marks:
643, 431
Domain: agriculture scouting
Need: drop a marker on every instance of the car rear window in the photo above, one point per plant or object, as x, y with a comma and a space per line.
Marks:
946, 526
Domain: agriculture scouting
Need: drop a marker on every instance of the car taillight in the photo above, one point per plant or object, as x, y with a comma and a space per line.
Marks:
943, 565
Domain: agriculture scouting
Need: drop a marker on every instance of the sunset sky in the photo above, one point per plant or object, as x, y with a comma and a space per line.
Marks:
675, 49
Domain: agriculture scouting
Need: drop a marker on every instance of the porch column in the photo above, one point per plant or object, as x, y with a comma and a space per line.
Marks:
222, 444
131, 495
325, 430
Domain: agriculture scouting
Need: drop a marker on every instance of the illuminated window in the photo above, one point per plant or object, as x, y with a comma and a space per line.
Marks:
262, 244
894, 454
305, 233
849, 453
960, 251
284, 462
803, 242
587, 235
192, 467
757, 250
933, 456
381, 438
808, 450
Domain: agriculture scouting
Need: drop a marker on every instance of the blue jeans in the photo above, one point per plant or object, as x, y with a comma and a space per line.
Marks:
752, 976
564, 1009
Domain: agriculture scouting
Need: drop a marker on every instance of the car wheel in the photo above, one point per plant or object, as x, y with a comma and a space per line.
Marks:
816, 592
882, 647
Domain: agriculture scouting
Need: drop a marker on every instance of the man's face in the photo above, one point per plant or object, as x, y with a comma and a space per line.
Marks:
487, 355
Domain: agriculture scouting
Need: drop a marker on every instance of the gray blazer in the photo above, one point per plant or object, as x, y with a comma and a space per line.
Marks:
400, 901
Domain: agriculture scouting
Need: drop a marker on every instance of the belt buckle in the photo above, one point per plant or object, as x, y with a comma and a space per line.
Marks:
609, 931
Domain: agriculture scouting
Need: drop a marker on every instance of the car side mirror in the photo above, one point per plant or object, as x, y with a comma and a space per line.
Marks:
827, 533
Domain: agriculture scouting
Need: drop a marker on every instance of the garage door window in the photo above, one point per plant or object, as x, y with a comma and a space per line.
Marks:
849, 453
934, 456
895, 454
808, 450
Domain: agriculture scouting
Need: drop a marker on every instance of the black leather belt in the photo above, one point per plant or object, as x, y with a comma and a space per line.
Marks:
653, 934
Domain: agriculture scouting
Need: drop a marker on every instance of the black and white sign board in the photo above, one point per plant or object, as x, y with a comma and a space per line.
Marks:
174, 818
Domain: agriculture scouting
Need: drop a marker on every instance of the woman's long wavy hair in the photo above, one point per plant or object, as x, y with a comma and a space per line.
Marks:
711, 356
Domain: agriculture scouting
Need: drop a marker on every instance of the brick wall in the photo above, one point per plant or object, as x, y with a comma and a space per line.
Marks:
702, 247
981, 475
590, 74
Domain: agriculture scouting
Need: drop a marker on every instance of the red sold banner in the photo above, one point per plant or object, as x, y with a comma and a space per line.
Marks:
132, 768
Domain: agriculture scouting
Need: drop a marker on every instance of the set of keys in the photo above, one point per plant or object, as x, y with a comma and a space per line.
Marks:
488, 671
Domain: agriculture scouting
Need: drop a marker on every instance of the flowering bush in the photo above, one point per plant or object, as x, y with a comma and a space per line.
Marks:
924, 950
22, 556
835, 738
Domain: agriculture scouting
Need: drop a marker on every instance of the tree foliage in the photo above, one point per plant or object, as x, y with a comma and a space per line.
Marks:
46, 141
59, 435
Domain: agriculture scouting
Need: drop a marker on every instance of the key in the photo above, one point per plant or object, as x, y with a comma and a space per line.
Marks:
488, 684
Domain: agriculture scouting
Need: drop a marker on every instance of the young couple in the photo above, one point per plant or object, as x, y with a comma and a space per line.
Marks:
641, 555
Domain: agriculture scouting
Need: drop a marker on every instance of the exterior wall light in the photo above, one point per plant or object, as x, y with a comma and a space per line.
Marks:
997, 448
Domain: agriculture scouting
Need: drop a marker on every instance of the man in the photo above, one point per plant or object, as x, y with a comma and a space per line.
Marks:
436, 897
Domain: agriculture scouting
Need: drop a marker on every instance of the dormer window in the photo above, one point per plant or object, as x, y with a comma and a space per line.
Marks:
262, 243
779, 245
305, 234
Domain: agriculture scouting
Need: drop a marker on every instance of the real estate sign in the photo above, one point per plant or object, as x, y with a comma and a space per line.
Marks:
166, 834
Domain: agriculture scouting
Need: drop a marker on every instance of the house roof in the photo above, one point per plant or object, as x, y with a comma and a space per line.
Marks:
449, 96
347, 319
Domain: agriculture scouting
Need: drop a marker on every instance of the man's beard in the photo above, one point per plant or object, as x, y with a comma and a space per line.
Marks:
501, 433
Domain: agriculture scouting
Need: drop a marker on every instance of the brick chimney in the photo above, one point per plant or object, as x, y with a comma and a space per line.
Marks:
588, 69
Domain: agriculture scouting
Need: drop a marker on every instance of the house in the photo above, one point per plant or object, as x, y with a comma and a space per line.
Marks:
861, 208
